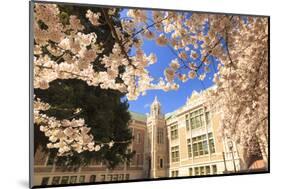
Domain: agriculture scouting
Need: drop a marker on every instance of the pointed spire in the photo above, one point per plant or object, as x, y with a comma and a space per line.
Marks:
155, 99
155, 108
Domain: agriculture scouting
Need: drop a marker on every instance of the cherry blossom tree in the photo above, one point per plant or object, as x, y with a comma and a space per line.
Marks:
242, 81
234, 46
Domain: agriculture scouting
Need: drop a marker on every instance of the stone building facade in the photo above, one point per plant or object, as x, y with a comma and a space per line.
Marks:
185, 142
47, 173
196, 148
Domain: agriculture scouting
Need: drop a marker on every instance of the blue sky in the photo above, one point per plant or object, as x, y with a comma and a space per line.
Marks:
170, 100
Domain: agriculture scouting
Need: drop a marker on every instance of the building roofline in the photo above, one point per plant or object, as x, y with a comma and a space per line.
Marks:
138, 116
172, 113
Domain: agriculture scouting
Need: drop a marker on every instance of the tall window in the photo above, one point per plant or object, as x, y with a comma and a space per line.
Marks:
197, 119
211, 143
92, 178
175, 173
160, 136
196, 171
73, 179
139, 159
127, 176
189, 149
190, 171
199, 145
174, 132
175, 154
45, 181
214, 169
121, 176
138, 138
115, 177
202, 170
109, 177
64, 180
82, 179
187, 122
102, 178
208, 170
56, 180
207, 118
161, 163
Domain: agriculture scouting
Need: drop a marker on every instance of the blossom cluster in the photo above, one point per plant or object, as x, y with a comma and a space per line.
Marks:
76, 52
242, 85
238, 44
65, 135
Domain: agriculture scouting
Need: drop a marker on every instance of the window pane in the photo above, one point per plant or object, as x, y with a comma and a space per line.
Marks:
160, 135
205, 147
115, 177
200, 146
127, 176
64, 180
81, 179
212, 145
201, 120
175, 153
202, 171
102, 178
138, 138
109, 177
93, 178
207, 118
204, 137
192, 123
174, 132
73, 179
189, 150
121, 176
196, 171
190, 172
208, 170
45, 181
187, 124
161, 163
195, 149
175, 173
56, 180
214, 169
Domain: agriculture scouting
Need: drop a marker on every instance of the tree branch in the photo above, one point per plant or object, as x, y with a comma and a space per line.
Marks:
50, 68
119, 41
149, 26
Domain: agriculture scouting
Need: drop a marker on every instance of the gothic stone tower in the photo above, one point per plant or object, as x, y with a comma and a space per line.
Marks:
157, 148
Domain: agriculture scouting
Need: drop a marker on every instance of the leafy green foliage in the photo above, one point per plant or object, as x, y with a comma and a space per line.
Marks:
104, 112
